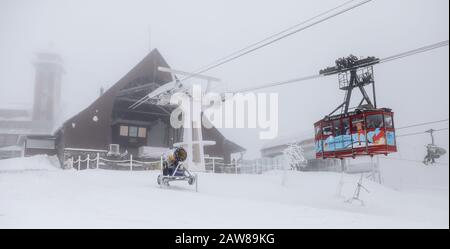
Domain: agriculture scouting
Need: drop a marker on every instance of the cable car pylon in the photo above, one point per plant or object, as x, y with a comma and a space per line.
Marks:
363, 131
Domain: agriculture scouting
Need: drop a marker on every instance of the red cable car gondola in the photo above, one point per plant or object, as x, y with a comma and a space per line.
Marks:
366, 131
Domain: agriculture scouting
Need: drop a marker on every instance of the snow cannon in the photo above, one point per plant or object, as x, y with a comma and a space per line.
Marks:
173, 168
178, 155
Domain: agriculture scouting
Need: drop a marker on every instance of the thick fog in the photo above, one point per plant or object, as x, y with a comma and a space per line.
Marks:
100, 41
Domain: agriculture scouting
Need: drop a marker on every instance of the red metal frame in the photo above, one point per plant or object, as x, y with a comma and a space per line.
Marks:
364, 148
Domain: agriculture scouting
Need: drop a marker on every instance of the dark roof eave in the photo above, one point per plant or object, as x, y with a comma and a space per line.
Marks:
234, 148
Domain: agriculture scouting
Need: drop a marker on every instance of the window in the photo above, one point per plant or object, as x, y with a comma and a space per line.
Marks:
142, 132
358, 125
328, 130
133, 131
318, 130
346, 126
337, 128
124, 131
388, 121
40, 144
375, 121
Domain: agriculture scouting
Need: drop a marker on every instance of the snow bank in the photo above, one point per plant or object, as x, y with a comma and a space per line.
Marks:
51, 198
405, 175
35, 163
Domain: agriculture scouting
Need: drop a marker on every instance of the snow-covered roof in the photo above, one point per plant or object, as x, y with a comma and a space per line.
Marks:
20, 119
14, 112
11, 148
289, 138
15, 106
20, 131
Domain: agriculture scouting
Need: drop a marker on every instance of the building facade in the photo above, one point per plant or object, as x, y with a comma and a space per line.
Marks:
144, 132
18, 123
106, 125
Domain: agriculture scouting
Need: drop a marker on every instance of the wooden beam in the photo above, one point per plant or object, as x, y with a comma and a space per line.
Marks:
163, 109
151, 86
144, 112
128, 99
194, 75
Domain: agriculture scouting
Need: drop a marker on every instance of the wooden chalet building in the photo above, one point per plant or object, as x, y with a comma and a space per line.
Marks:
142, 132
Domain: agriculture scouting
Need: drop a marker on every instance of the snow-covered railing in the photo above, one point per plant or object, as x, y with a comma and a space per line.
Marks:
217, 165
98, 161
257, 166
212, 164
86, 150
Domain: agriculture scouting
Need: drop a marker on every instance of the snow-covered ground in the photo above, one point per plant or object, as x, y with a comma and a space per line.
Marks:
36, 194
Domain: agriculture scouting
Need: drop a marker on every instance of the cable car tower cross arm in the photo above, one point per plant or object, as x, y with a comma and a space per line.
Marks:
354, 73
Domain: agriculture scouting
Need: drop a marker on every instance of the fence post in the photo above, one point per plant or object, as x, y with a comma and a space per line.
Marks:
71, 163
214, 165
88, 162
98, 159
131, 162
79, 163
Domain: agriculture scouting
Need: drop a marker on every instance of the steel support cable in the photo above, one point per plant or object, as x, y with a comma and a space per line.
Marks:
384, 60
245, 51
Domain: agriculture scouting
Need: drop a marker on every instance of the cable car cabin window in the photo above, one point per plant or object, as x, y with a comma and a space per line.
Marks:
133, 131
337, 128
358, 132
375, 121
318, 130
338, 135
346, 126
388, 121
357, 124
318, 143
390, 133
376, 132
328, 130
328, 139
345, 138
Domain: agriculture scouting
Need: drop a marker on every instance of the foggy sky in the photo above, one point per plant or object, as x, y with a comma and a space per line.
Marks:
100, 41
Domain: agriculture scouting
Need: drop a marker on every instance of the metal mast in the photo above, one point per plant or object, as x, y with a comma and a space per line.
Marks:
354, 73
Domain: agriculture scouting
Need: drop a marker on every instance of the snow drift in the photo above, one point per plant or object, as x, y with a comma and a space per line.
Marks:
52, 198
35, 163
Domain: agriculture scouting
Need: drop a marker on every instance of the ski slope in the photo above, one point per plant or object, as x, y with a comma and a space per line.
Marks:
34, 193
